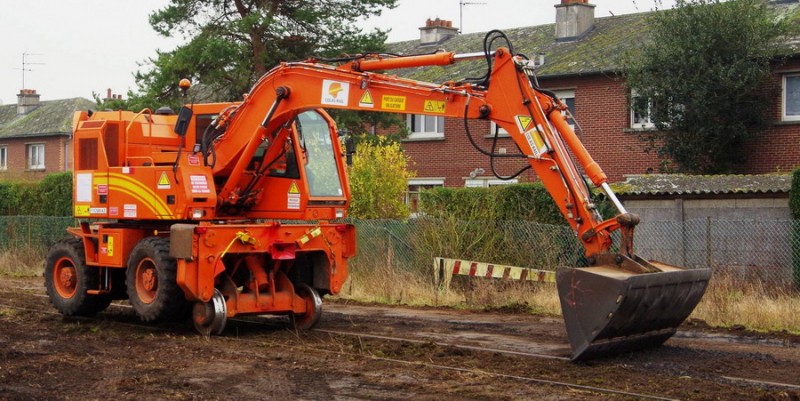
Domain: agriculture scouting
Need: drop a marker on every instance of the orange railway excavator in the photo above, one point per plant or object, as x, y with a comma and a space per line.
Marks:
187, 214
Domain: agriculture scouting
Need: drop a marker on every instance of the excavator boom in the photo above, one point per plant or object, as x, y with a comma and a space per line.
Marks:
213, 174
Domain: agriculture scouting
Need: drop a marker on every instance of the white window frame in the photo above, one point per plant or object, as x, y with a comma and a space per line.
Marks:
420, 182
641, 122
435, 132
487, 182
785, 95
34, 158
562, 94
3, 157
565, 94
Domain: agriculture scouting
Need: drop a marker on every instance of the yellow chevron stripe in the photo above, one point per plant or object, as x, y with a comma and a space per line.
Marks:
137, 190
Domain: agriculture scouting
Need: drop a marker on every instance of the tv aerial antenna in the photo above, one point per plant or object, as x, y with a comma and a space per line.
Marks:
461, 4
26, 65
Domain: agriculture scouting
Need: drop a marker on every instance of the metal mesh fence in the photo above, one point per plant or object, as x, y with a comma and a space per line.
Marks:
766, 251
32, 231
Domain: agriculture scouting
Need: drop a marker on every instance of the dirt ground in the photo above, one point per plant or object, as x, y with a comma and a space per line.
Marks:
354, 355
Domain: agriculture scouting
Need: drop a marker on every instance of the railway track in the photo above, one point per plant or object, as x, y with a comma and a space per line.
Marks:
247, 333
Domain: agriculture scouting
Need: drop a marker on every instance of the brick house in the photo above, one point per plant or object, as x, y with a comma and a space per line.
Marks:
36, 136
581, 64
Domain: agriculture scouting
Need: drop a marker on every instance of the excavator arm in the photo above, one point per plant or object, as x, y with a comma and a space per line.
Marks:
619, 302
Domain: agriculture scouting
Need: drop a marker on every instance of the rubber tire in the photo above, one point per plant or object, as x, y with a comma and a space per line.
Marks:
169, 302
87, 278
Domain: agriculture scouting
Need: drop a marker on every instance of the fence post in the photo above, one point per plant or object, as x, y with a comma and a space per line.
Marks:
796, 252
708, 241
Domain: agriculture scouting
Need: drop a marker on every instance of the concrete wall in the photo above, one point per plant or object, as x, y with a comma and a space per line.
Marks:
714, 209
746, 238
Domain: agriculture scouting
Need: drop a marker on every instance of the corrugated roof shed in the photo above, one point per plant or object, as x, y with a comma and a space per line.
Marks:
683, 184
50, 118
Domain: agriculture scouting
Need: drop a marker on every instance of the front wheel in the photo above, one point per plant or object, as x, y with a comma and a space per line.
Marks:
151, 282
67, 279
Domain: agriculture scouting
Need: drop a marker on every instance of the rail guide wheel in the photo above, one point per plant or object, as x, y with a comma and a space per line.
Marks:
307, 321
210, 317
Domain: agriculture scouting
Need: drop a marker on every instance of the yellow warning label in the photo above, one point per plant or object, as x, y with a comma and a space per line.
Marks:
537, 140
163, 181
392, 102
366, 100
434, 106
524, 123
110, 246
81, 210
293, 189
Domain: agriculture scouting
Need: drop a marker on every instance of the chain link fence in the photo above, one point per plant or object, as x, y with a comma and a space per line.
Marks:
747, 251
766, 251
37, 232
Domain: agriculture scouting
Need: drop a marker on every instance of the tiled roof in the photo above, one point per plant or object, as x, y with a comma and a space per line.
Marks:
598, 51
50, 118
682, 184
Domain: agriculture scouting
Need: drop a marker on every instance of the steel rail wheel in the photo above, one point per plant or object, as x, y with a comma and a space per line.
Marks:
307, 321
151, 281
210, 317
67, 278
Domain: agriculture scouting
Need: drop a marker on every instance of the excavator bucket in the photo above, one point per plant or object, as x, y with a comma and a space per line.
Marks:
609, 308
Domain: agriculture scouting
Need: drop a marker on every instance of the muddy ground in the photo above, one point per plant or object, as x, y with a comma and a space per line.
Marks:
354, 354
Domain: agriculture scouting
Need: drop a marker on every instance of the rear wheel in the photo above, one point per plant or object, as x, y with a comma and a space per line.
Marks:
67, 278
307, 321
151, 282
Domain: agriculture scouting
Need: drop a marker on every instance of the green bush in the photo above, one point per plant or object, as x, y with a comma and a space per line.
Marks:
51, 196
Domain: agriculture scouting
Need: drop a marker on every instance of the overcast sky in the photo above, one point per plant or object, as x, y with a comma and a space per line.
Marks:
76, 48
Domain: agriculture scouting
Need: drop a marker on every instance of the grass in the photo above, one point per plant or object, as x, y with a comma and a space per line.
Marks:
21, 262
727, 302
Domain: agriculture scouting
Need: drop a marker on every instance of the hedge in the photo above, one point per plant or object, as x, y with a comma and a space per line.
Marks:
51, 196
794, 207
528, 202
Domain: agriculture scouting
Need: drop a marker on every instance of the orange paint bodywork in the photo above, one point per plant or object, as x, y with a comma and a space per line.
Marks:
228, 186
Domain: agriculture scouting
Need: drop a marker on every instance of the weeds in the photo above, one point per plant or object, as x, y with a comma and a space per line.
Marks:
728, 302
24, 261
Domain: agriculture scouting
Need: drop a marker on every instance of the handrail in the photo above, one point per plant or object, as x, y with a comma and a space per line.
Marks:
128, 127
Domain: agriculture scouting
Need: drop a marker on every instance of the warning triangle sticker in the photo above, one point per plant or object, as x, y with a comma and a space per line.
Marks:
163, 181
293, 189
524, 123
366, 99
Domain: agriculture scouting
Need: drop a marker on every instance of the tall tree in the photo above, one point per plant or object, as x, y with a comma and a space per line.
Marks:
701, 77
230, 43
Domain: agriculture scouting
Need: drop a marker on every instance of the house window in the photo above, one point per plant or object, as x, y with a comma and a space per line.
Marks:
791, 97
3, 157
641, 108
417, 185
487, 182
425, 127
35, 156
566, 96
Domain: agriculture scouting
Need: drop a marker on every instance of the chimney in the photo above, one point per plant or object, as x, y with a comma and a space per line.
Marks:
111, 96
574, 18
436, 31
27, 101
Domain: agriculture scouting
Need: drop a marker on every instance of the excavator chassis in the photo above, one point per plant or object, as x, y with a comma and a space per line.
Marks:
609, 309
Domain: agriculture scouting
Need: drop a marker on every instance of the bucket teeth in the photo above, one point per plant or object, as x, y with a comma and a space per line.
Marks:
608, 310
